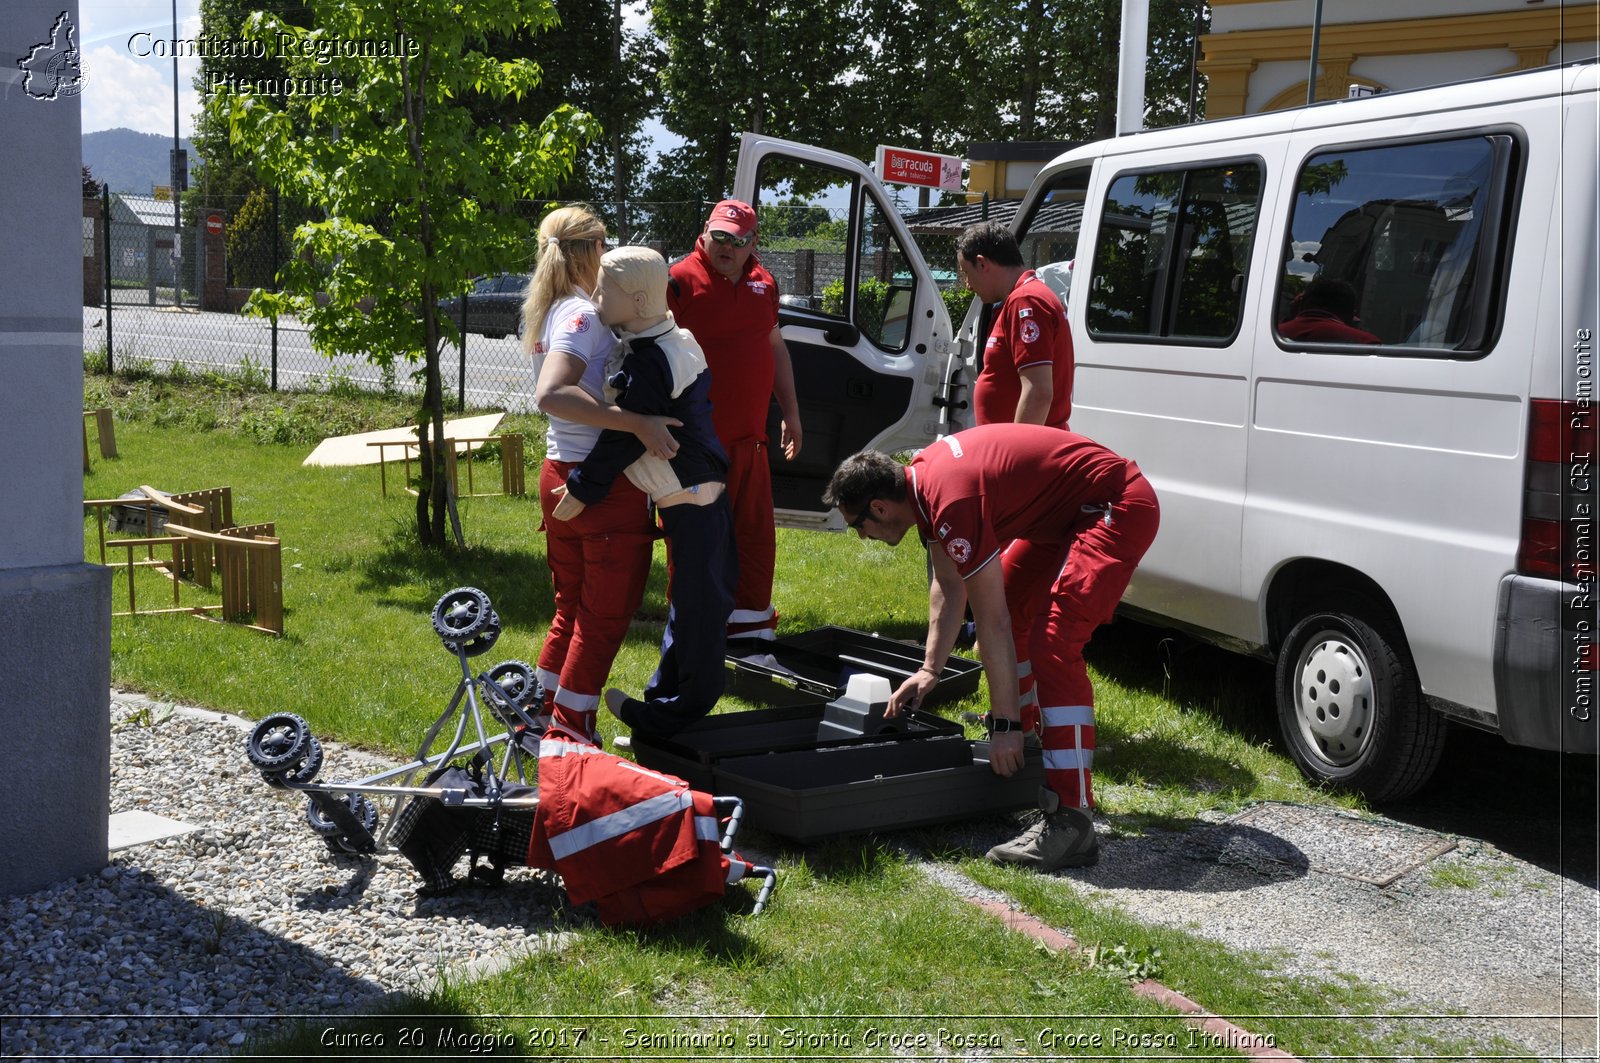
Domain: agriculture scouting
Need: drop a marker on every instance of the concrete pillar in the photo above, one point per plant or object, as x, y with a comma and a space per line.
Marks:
55, 610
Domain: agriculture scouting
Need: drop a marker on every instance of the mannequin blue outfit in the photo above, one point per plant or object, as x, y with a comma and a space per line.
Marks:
662, 372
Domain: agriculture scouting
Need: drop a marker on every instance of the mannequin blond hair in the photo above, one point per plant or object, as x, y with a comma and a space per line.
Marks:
568, 261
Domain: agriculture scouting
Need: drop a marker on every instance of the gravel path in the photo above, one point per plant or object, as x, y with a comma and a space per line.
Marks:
1493, 945
246, 918
186, 946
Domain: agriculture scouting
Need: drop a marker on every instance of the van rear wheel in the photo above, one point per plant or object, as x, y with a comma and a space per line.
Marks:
1351, 708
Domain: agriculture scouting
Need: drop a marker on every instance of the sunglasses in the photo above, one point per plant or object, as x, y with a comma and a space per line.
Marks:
861, 521
720, 237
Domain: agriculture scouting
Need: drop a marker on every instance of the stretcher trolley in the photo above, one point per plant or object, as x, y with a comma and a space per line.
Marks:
641, 844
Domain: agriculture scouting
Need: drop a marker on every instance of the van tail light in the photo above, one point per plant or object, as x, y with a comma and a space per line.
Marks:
1558, 524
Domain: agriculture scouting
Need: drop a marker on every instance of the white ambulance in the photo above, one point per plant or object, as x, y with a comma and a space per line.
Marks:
1400, 512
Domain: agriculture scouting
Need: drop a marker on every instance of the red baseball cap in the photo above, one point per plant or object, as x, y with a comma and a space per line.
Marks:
733, 216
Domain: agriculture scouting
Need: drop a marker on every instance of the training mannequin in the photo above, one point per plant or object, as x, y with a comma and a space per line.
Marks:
661, 371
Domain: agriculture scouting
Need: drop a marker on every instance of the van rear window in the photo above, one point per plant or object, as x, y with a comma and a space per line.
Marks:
1397, 246
1173, 251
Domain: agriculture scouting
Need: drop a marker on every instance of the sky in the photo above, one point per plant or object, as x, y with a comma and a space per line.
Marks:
131, 89
126, 89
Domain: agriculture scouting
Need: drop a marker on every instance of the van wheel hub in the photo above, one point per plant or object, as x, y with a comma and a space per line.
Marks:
1334, 698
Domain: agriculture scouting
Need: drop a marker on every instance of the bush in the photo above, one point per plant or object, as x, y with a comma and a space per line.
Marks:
872, 301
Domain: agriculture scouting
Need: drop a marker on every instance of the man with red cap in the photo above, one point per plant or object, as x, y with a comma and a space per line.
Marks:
724, 297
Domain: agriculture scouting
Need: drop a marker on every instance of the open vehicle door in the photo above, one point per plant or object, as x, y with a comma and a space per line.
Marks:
865, 325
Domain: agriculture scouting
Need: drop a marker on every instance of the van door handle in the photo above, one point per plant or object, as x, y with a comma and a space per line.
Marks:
842, 334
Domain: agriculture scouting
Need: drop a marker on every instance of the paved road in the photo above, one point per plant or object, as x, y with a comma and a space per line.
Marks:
497, 372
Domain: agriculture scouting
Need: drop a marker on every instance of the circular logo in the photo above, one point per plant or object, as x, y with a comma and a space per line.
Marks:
1030, 331
960, 550
59, 74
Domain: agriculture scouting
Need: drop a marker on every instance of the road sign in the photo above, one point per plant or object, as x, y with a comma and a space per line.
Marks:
214, 224
907, 166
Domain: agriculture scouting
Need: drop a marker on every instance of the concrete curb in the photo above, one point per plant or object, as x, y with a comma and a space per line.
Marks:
1220, 1031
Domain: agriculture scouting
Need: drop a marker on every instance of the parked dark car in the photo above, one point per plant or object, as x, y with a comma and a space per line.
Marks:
494, 305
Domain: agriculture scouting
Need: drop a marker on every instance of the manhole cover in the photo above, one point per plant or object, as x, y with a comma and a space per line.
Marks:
1338, 843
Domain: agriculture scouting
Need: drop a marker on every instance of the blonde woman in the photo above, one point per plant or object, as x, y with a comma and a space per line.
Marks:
599, 560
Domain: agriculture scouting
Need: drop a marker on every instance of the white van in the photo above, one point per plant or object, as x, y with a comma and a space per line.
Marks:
1401, 513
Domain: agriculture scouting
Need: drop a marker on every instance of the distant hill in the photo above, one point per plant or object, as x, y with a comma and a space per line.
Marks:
129, 161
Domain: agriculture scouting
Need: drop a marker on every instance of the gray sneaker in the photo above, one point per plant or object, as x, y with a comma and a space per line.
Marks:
1058, 839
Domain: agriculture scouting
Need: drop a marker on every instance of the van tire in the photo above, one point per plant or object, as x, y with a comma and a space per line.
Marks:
1351, 709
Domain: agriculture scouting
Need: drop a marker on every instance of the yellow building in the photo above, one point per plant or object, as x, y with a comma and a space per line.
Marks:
1256, 57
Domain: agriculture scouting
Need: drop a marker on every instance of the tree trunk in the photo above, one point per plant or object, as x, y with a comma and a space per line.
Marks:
431, 498
425, 473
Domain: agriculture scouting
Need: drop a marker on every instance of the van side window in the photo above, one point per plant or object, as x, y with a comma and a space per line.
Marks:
1397, 246
1049, 237
1172, 253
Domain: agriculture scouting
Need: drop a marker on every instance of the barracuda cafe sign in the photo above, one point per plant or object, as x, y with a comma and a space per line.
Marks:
907, 166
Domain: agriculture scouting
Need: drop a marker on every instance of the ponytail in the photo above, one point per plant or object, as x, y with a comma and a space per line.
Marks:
567, 262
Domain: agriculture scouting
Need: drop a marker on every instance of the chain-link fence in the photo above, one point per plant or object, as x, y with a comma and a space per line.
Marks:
163, 286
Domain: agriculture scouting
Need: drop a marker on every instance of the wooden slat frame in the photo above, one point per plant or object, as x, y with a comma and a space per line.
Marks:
513, 477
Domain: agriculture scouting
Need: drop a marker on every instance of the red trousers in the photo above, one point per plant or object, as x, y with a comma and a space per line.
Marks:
755, 539
1058, 593
599, 562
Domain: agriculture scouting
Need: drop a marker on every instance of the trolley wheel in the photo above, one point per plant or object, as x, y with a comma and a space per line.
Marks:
324, 824
319, 820
515, 679
278, 742
483, 639
306, 771
299, 774
460, 614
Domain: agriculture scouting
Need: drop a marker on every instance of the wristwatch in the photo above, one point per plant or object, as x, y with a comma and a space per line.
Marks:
999, 725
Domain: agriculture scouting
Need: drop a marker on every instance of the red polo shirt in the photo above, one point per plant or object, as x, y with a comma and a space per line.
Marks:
976, 491
1031, 329
733, 321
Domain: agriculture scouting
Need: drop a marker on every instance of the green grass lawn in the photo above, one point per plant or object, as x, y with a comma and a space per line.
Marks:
855, 940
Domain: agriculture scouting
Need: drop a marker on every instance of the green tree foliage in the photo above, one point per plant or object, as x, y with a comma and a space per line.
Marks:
781, 67
416, 197
251, 251
916, 84
223, 178
1048, 68
589, 61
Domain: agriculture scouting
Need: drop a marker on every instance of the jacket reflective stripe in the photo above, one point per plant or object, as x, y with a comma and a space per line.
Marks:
617, 824
1068, 759
1069, 716
555, 747
707, 829
577, 702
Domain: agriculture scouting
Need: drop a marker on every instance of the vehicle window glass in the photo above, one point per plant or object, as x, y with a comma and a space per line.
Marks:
820, 229
1172, 253
1050, 233
804, 211
885, 282
1394, 246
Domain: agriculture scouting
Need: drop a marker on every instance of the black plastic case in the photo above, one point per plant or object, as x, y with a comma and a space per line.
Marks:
816, 665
